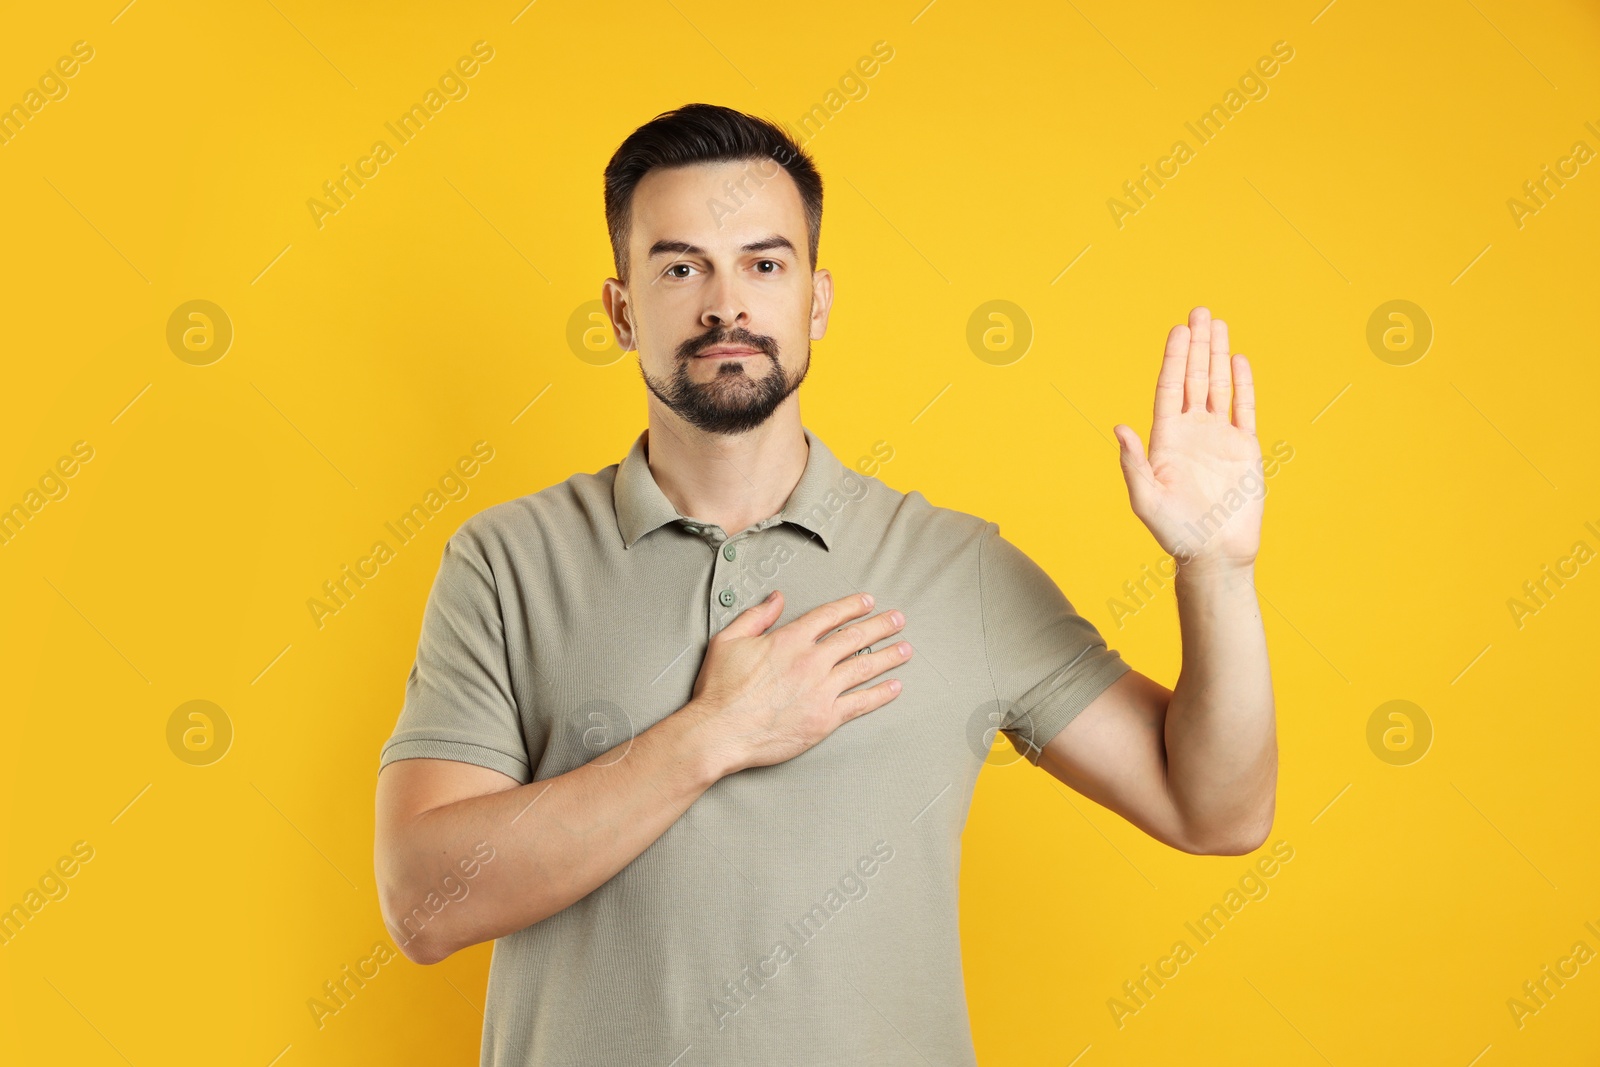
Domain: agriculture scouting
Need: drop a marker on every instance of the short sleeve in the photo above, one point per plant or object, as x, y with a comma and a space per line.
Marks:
1046, 662
459, 703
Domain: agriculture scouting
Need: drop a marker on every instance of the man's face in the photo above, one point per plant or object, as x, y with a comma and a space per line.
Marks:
722, 304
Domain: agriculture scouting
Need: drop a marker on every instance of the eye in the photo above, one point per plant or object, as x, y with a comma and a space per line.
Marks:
774, 263
675, 266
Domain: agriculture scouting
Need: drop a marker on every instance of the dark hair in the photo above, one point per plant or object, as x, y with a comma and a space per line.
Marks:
703, 133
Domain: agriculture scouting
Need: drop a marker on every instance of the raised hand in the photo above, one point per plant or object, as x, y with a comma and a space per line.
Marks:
1201, 488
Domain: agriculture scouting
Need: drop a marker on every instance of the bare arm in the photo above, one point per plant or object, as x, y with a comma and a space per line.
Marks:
1221, 727
759, 699
552, 841
1197, 766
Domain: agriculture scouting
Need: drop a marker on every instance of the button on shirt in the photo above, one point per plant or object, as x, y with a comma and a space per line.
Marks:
801, 913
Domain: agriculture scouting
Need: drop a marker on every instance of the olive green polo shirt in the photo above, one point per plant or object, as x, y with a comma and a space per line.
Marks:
802, 913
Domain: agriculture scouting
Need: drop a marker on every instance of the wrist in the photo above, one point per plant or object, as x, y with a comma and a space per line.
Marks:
707, 751
1204, 568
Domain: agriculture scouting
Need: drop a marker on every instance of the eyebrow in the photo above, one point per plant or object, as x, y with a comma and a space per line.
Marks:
684, 248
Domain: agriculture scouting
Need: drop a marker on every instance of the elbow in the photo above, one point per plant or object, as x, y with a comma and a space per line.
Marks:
421, 952
417, 938
1238, 839
1242, 846
403, 904
421, 946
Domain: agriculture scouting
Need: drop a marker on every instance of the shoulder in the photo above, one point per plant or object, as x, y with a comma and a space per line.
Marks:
540, 522
909, 520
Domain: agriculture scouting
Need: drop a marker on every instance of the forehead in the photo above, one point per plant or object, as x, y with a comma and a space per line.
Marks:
696, 204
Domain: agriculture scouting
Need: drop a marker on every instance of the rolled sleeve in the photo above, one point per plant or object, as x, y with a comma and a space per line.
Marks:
459, 701
1046, 662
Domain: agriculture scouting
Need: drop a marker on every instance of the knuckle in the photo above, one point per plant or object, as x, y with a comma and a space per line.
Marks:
868, 665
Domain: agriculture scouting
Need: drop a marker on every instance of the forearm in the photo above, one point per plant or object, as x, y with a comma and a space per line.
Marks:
1221, 731
554, 841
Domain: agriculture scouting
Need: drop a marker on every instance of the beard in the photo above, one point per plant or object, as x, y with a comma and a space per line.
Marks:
733, 401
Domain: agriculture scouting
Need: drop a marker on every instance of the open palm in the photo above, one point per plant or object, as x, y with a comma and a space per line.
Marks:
1201, 488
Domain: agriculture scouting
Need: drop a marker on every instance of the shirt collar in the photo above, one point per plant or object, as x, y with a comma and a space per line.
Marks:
815, 503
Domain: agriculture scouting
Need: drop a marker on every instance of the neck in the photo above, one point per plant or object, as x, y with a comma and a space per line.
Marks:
731, 481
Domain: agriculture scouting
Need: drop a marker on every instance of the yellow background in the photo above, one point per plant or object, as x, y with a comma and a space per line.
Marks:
433, 309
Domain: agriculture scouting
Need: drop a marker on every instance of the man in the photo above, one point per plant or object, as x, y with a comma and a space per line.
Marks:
703, 827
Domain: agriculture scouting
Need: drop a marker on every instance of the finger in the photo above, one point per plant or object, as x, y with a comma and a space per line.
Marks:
819, 620
846, 642
857, 669
855, 704
1169, 383
755, 619
1244, 396
1197, 372
1221, 391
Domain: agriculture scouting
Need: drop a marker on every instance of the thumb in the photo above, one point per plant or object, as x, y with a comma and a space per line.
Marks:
1134, 463
755, 619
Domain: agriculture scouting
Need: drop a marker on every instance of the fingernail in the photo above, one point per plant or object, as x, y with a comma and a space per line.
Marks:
866, 598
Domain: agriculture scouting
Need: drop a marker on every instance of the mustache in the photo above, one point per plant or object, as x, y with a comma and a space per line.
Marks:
736, 336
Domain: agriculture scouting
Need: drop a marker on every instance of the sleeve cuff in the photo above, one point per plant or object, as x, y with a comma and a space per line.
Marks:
461, 751
1040, 725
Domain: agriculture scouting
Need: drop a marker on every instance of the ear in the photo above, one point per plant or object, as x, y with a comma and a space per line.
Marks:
821, 302
619, 310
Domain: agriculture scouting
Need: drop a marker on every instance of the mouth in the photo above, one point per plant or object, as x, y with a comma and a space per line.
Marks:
727, 352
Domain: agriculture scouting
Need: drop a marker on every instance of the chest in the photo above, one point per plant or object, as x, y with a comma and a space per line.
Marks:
615, 644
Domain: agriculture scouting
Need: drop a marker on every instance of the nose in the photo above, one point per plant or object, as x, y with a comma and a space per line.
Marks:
724, 305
